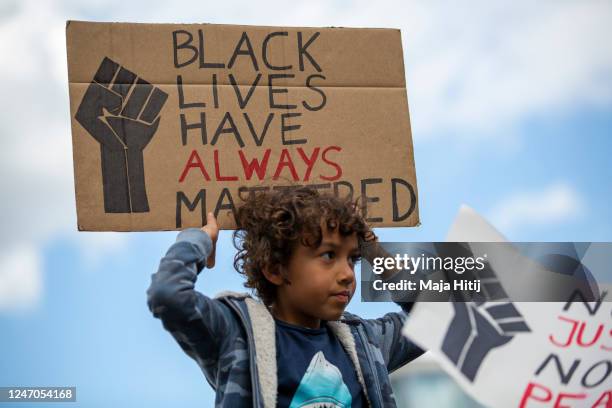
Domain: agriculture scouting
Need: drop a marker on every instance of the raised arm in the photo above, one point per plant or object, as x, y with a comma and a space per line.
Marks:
397, 350
198, 323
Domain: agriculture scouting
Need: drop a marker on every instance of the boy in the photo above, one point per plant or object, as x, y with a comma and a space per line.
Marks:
295, 346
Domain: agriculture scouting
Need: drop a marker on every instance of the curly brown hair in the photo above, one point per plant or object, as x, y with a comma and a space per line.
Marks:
271, 223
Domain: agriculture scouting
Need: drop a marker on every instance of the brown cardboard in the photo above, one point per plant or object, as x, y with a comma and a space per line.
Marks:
137, 93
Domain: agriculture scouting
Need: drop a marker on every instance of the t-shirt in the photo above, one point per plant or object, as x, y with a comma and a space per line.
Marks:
314, 370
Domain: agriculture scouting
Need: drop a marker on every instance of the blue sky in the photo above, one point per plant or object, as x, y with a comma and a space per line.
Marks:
511, 111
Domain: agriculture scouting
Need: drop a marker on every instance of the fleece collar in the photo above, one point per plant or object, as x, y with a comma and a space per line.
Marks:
264, 336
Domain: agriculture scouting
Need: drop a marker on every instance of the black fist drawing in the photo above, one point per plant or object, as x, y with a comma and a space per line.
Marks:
121, 111
476, 329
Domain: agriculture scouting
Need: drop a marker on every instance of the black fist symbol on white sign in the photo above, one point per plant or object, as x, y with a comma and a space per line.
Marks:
121, 111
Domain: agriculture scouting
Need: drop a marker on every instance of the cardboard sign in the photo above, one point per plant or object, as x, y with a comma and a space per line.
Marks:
172, 121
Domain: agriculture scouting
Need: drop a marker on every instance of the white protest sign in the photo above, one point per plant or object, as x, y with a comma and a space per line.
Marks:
521, 354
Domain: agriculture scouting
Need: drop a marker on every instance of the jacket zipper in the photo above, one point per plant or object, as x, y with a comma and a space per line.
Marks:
371, 364
252, 369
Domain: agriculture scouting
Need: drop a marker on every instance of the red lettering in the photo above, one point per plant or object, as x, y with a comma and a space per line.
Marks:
595, 338
563, 395
218, 170
542, 394
607, 403
571, 334
577, 332
530, 394
604, 347
254, 165
285, 161
310, 161
194, 161
333, 164
258, 166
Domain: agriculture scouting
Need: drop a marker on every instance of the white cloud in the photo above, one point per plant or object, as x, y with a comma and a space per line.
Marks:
95, 246
20, 278
36, 154
556, 203
475, 68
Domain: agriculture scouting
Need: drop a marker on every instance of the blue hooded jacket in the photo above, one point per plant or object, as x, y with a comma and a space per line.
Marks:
232, 337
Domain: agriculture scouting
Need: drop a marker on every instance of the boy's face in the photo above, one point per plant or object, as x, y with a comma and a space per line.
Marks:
322, 280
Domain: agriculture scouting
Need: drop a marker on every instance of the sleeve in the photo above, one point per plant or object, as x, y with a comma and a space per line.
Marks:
199, 324
397, 350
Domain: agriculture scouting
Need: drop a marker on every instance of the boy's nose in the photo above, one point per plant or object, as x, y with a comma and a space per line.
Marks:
347, 273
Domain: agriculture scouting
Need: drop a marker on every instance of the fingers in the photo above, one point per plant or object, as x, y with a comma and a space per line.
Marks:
106, 71
123, 82
144, 101
212, 229
211, 221
139, 96
141, 99
370, 236
114, 77
154, 106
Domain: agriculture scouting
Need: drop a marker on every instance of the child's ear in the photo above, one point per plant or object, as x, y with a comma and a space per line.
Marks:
273, 274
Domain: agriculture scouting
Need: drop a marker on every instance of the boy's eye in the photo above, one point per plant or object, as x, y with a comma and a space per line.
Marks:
328, 255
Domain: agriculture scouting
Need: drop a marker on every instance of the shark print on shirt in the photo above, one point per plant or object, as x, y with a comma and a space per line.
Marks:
322, 386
